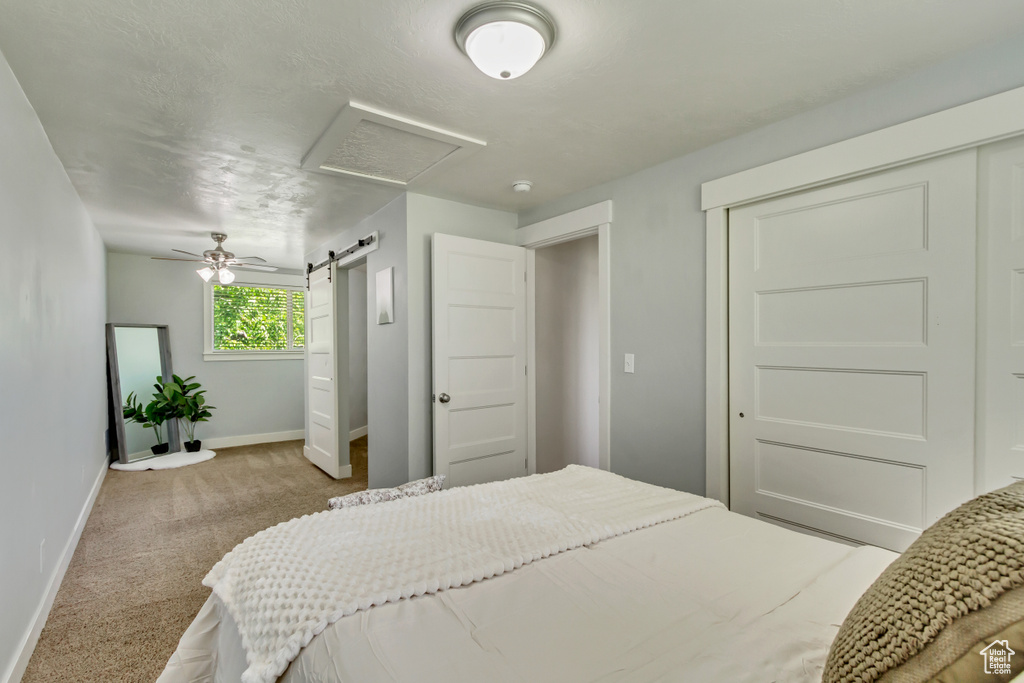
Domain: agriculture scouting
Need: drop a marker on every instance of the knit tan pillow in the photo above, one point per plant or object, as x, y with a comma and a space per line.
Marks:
952, 588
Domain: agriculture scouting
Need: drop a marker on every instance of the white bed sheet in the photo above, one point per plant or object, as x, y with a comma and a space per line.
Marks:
714, 596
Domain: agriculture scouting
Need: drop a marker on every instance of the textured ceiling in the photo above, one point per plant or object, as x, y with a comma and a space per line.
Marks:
178, 117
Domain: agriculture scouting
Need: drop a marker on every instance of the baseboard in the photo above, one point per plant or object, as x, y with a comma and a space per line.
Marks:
250, 439
356, 433
28, 643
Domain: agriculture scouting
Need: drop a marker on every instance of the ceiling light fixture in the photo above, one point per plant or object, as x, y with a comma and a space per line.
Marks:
505, 39
218, 260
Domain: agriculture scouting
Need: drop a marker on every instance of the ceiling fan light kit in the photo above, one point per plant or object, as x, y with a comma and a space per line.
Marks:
505, 39
218, 261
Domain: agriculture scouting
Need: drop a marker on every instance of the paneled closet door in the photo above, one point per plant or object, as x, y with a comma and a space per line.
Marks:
852, 352
1001, 366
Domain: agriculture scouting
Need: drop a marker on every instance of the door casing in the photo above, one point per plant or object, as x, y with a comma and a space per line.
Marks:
591, 220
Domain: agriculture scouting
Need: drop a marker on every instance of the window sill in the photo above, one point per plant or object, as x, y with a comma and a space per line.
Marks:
253, 355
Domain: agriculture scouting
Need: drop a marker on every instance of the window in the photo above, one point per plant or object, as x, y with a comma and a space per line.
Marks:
262, 320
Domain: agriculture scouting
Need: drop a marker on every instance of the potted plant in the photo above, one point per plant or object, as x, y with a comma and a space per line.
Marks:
189, 408
152, 416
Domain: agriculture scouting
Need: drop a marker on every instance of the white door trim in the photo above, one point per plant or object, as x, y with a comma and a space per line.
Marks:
595, 219
716, 424
969, 125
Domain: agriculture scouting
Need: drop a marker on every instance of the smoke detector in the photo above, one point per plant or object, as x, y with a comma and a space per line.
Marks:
522, 186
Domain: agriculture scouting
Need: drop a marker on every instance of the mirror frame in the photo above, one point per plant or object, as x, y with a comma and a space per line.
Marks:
117, 400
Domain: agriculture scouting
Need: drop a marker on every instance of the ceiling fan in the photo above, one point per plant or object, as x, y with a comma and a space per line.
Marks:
218, 261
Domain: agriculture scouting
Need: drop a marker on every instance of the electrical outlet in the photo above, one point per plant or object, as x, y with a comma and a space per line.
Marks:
41, 544
629, 363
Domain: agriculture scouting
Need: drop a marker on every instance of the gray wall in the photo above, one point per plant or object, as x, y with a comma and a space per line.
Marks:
252, 397
53, 408
657, 255
388, 345
567, 314
357, 358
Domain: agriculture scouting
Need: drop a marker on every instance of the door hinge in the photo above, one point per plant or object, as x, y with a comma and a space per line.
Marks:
433, 398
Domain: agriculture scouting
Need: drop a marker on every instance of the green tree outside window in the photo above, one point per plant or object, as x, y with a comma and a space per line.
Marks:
257, 319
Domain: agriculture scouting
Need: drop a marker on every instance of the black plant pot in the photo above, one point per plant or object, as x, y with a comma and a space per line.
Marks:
160, 448
193, 446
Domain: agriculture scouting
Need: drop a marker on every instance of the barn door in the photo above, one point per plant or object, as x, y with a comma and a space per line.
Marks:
326, 388
479, 358
852, 351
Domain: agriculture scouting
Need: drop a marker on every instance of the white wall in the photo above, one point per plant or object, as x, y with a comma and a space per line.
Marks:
657, 255
53, 407
357, 351
567, 315
252, 397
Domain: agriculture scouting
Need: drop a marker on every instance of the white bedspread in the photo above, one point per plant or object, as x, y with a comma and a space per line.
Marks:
707, 598
284, 585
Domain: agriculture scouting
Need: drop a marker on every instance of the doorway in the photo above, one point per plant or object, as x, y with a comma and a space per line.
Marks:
358, 417
337, 327
567, 334
481, 282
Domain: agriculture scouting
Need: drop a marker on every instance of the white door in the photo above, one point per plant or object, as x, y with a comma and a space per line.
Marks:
479, 349
1001, 366
852, 339
326, 402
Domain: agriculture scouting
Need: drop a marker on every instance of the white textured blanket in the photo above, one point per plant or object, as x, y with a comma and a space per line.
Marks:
286, 584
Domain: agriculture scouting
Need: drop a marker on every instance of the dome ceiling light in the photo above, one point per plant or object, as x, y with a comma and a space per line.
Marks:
505, 39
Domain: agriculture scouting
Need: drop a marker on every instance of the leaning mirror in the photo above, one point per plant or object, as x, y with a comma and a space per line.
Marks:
136, 356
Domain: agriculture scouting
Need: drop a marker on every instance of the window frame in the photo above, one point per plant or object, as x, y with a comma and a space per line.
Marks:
250, 279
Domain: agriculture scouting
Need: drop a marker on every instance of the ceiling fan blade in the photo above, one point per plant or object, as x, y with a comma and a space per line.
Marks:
182, 251
253, 266
164, 258
249, 258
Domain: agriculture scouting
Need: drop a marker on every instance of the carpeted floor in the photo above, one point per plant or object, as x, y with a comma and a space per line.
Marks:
133, 585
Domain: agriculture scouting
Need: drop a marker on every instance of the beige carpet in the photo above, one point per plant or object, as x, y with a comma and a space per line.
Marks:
133, 585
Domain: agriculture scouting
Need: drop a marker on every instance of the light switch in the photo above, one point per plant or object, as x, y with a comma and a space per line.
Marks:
629, 363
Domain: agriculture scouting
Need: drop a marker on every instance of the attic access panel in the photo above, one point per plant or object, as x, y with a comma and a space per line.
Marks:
374, 145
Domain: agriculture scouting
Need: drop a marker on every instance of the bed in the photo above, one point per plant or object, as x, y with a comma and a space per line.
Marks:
693, 592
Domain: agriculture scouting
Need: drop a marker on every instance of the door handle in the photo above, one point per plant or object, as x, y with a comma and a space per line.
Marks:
444, 398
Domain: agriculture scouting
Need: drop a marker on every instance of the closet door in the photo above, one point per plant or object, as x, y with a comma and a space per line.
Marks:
1001, 365
852, 346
